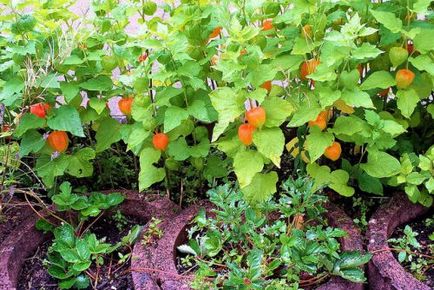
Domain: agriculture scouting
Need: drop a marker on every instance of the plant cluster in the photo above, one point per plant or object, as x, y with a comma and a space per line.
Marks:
281, 243
224, 86
417, 257
75, 249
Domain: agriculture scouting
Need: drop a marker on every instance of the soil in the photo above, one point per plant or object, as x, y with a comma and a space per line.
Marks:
424, 229
12, 216
34, 275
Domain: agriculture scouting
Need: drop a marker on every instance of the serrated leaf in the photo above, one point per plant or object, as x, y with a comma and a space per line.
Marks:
32, 141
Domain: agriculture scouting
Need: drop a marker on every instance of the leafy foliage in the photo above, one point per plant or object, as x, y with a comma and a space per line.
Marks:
73, 250
280, 242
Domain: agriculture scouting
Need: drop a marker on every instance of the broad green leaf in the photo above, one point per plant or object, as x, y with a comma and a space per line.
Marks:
80, 163
11, 90
270, 143
388, 19
379, 79
48, 82
27, 122
347, 125
316, 143
149, 174
308, 111
357, 98
99, 83
339, 179
97, 104
277, 110
336, 180
246, 164
174, 117
407, 101
261, 188
366, 51
381, 164
32, 141
66, 118
69, 90
109, 132
48, 169
287, 62
229, 105
423, 41
423, 62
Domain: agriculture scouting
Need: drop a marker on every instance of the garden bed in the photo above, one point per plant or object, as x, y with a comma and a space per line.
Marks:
385, 272
14, 213
21, 265
159, 261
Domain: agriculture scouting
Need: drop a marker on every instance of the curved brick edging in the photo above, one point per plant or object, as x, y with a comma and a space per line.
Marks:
16, 248
384, 271
158, 261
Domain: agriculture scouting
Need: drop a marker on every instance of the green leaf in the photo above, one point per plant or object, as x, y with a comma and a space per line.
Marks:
339, 179
316, 143
306, 112
73, 60
388, 19
423, 41
32, 141
423, 62
277, 110
229, 105
27, 122
99, 83
336, 180
366, 51
179, 149
381, 164
66, 118
379, 79
48, 82
407, 101
48, 169
270, 143
149, 174
357, 98
369, 184
261, 188
97, 104
347, 125
109, 132
11, 90
69, 90
80, 165
246, 164
174, 117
